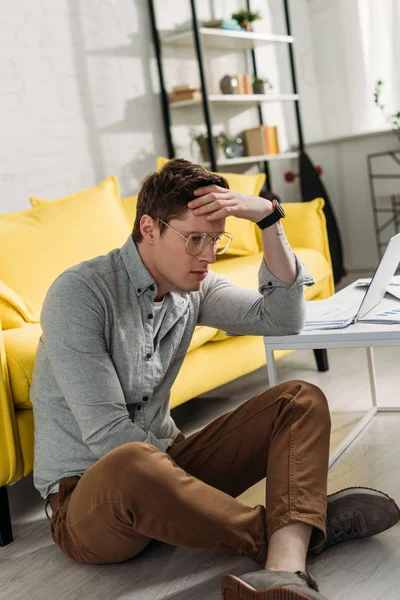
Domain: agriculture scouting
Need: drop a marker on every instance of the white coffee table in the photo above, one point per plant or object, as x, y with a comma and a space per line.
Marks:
355, 336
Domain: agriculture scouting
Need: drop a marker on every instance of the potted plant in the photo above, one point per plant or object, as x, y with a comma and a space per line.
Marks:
261, 86
202, 140
393, 119
245, 18
231, 147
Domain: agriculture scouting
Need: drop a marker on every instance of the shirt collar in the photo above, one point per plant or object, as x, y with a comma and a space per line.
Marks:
141, 278
137, 272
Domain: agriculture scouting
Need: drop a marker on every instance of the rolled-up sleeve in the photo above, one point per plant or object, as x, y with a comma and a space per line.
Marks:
278, 308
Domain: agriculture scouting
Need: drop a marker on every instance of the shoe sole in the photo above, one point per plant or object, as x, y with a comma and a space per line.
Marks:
363, 495
235, 589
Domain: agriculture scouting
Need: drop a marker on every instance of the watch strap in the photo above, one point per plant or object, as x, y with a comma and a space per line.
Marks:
269, 219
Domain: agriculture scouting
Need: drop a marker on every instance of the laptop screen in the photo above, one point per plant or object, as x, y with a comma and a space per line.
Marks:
382, 277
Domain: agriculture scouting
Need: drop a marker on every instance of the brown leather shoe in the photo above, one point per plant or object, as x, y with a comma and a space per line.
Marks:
357, 513
270, 585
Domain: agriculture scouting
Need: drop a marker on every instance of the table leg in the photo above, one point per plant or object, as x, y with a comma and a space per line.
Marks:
372, 378
273, 379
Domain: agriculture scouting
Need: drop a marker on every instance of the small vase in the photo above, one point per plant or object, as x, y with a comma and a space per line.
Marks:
204, 151
259, 88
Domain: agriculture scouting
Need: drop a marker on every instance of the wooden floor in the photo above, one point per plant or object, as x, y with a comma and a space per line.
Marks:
33, 568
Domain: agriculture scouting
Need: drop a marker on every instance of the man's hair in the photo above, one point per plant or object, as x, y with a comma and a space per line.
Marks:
166, 194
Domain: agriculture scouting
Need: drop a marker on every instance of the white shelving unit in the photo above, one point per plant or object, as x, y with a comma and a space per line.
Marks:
240, 99
225, 162
201, 39
224, 39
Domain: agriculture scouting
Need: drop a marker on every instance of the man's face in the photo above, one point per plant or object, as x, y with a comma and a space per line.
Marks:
173, 267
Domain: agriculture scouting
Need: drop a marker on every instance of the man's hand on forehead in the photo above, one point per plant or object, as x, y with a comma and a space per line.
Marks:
218, 203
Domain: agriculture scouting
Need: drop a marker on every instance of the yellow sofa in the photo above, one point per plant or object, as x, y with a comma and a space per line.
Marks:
38, 244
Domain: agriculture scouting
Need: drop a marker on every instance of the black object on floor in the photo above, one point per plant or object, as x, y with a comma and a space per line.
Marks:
321, 356
6, 536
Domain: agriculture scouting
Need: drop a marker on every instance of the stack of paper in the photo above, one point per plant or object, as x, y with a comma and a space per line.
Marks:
389, 315
322, 314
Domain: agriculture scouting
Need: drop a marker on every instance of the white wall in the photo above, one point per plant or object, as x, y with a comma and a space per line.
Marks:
76, 96
346, 179
342, 48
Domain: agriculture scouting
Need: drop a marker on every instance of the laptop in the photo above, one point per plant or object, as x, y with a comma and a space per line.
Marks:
331, 316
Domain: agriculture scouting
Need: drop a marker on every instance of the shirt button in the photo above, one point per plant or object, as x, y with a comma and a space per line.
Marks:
145, 398
270, 283
139, 290
152, 288
138, 407
148, 355
149, 316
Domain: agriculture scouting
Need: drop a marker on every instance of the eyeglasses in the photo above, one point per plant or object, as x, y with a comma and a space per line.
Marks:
197, 242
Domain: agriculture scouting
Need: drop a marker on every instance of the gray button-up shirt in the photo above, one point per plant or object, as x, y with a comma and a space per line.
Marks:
101, 380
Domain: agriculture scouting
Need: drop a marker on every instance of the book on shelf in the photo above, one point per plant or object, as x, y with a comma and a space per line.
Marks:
262, 140
248, 86
184, 92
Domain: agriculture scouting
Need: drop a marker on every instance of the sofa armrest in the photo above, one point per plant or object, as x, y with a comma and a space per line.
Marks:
10, 460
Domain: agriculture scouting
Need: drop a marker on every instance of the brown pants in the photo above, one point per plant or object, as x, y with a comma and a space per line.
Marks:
186, 496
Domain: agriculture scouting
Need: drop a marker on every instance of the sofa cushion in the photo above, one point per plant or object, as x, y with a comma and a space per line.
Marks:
42, 242
245, 240
20, 347
201, 335
243, 272
129, 207
110, 180
14, 312
21, 344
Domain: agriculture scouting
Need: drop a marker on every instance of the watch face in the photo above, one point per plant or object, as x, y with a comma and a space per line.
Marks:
278, 207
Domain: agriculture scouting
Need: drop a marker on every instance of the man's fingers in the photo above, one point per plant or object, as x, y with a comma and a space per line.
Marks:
206, 208
207, 189
211, 197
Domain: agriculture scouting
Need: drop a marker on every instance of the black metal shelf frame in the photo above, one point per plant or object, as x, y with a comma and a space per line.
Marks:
205, 101
394, 209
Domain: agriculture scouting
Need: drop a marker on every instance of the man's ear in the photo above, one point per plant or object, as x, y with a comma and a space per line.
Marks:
149, 229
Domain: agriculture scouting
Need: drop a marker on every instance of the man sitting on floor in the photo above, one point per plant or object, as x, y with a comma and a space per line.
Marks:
110, 460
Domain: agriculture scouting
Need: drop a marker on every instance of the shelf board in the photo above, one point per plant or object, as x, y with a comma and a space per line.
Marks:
225, 39
252, 159
241, 99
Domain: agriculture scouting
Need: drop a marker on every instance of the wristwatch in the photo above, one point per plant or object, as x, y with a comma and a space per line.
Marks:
277, 213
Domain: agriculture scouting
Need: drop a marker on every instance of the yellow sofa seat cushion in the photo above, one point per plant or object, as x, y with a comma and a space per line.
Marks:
202, 334
20, 347
14, 312
42, 242
243, 272
244, 241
